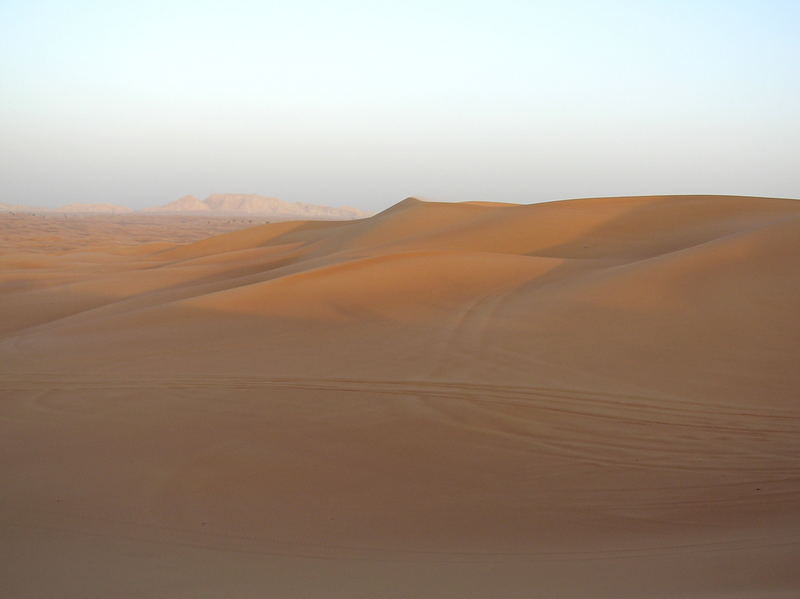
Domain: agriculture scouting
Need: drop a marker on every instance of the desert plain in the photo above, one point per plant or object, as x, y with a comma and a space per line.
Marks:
586, 398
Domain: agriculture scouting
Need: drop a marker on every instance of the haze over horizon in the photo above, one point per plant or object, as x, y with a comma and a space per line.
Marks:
362, 104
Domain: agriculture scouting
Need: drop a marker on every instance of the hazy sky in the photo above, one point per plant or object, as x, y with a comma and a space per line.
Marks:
365, 103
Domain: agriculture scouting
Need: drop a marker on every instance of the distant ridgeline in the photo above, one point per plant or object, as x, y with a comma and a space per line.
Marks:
252, 204
69, 208
217, 204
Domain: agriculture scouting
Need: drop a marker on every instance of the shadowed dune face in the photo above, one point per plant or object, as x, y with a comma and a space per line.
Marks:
591, 398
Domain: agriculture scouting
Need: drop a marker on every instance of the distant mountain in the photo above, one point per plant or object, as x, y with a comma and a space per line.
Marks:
184, 204
95, 208
221, 204
256, 205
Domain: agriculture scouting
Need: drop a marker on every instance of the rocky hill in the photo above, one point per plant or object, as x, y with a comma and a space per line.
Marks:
252, 204
184, 204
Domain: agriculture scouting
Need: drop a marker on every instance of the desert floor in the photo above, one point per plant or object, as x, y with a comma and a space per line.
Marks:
58, 232
588, 398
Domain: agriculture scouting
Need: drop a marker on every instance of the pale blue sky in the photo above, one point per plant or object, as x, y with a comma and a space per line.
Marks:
364, 103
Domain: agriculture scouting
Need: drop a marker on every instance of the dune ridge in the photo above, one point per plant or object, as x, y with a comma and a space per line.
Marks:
592, 397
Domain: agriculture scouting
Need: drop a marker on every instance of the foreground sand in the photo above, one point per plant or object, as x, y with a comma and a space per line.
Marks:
591, 398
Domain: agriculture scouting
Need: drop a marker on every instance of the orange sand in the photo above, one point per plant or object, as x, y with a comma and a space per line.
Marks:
589, 398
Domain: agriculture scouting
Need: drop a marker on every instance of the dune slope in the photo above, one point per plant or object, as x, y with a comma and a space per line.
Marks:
582, 398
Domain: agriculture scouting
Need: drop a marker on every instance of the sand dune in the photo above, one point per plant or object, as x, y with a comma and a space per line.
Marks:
587, 398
